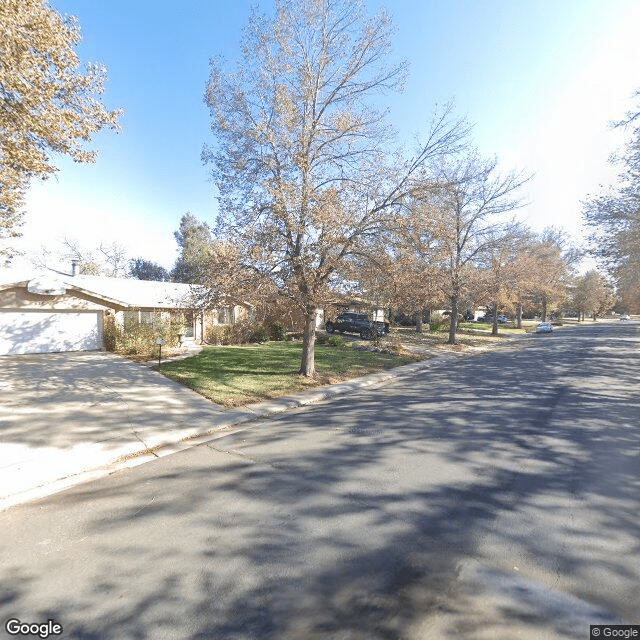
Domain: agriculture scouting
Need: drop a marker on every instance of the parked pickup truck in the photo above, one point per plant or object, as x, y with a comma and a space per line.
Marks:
357, 323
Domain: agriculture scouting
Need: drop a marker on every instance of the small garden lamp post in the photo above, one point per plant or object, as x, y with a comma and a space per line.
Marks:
159, 342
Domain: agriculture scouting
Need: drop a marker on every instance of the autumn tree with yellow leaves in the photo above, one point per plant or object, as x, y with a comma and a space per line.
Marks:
48, 103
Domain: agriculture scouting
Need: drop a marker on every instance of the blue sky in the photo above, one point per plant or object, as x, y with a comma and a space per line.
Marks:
540, 79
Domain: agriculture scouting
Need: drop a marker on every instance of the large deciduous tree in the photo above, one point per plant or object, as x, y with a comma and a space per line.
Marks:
592, 295
505, 273
419, 254
551, 270
302, 160
48, 104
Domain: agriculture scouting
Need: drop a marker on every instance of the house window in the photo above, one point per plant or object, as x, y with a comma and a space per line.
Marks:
149, 317
131, 318
142, 317
225, 315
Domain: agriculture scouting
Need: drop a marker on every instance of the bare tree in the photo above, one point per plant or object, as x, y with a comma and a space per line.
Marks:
114, 259
614, 217
302, 162
468, 203
106, 260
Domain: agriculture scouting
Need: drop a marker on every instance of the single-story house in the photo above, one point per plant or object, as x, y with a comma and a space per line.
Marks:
46, 311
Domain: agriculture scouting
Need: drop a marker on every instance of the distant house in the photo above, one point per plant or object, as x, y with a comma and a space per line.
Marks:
359, 305
52, 312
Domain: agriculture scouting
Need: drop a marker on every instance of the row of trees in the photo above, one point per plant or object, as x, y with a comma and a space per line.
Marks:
614, 218
316, 197
317, 200
313, 189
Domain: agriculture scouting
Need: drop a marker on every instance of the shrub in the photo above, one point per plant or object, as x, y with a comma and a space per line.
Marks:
259, 334
322, 339
241, 332
139, 339
278, 332
438, 322
224, 334
218, 334
336, 341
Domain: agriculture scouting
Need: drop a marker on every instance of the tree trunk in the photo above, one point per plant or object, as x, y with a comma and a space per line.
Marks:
519, 315
418, 317
453, 323
494, 328
544, 309
308, 365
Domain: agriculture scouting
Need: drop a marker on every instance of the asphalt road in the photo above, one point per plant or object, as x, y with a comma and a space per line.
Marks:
491, 497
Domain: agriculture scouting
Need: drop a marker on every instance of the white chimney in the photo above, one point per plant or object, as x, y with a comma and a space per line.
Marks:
74, 267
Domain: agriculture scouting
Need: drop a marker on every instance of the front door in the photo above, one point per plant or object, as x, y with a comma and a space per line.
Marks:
188, 325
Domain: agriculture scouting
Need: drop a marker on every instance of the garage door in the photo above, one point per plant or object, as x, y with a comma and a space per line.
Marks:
45, 331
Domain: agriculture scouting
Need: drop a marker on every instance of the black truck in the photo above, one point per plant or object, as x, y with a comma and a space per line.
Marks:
360, 323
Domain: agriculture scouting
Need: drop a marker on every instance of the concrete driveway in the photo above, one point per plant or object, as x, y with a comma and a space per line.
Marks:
65, 414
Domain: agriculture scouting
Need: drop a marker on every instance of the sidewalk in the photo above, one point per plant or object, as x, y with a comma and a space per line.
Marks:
69, 418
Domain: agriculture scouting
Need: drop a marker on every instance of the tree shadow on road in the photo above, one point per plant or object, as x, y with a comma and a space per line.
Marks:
491, 499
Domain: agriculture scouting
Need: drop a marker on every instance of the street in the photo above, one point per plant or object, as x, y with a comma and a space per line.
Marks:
494, 496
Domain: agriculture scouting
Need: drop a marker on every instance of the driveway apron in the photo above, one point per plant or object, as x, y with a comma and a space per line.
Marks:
66, 413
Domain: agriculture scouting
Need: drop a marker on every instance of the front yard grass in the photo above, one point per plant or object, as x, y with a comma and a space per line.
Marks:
471, 336
237, 375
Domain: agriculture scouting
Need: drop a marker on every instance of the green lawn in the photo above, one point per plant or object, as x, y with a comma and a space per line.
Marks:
236, 375
467, 336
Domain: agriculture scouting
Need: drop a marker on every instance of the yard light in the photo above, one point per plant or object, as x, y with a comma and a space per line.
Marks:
159, 342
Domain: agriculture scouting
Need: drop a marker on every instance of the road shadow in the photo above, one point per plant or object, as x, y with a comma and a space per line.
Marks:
494, 497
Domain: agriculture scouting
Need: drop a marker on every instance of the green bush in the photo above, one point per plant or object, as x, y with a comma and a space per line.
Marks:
322, 339
336, 341
259, 334
438, 322
278, 332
